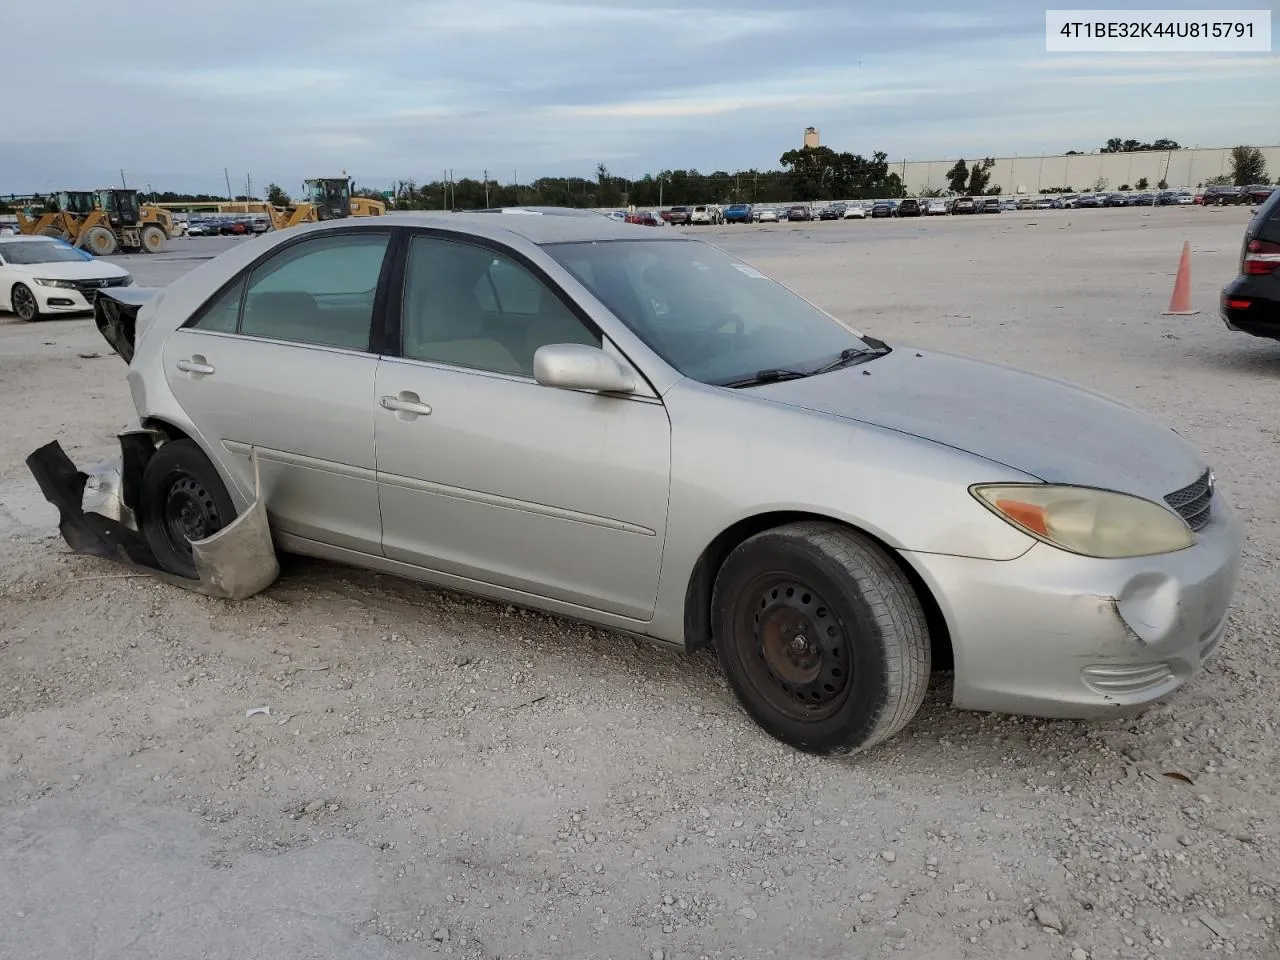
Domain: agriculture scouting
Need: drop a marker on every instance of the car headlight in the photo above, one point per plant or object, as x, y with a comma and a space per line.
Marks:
1090, 522
62, 284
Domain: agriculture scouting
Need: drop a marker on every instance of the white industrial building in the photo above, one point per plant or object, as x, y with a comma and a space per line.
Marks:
1032, 175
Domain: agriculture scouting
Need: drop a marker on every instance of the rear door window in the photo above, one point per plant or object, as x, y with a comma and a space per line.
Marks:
318, 291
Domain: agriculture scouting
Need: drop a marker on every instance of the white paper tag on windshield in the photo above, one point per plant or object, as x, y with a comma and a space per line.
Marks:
750, 271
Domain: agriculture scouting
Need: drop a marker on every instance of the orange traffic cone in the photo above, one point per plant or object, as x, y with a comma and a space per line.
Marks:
1180, 302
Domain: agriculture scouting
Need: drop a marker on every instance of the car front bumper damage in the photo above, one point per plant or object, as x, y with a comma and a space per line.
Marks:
1052, 634
98, 517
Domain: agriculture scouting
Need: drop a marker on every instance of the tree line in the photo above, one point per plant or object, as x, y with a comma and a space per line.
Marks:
808, 174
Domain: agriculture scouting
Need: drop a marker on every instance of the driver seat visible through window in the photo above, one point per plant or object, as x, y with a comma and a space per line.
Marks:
467, 306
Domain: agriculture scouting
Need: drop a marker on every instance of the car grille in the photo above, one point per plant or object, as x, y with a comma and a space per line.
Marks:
1193, 501
88, 286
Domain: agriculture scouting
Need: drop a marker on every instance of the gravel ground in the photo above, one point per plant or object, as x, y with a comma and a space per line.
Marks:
440, 775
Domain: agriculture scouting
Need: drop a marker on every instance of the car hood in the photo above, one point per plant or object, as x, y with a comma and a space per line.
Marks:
72, 270
1044, 427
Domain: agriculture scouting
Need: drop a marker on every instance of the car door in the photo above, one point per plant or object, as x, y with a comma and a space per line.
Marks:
485, 474
280, 361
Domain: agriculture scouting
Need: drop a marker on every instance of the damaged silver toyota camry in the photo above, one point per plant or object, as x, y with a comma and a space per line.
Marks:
636, 429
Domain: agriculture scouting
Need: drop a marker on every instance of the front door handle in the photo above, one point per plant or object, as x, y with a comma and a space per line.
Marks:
406, 405
196, 366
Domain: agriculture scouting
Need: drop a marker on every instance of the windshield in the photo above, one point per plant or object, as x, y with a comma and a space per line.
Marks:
41, 251
711, 316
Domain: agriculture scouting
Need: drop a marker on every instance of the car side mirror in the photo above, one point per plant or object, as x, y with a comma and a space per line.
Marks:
578, 366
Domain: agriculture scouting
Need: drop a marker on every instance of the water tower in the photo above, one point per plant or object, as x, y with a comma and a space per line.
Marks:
810, 138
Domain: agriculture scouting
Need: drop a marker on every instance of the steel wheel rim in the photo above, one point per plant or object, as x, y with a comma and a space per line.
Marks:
24, 303
189, 513
794, 647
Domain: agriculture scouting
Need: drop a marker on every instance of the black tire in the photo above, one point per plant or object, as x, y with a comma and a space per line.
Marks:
182, 499
863, 667
153, 238
100, 241
24, 303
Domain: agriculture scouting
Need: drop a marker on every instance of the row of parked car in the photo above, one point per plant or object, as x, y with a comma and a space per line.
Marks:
225, 226
713, 214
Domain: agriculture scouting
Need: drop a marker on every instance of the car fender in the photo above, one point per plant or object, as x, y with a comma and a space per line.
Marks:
735, 457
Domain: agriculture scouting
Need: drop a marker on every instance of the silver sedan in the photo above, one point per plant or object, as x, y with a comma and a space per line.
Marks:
638, 430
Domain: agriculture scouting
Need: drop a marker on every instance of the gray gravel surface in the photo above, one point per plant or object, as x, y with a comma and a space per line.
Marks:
440, 775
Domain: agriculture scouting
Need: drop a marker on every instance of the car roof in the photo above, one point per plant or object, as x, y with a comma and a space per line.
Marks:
30, 240
536, 225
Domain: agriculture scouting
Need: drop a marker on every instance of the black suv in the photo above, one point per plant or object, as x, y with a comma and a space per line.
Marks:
1251, 302
1224, 196
965, 205
909, 207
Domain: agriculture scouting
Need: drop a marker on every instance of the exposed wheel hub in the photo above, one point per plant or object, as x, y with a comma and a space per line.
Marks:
802, 644
190, 513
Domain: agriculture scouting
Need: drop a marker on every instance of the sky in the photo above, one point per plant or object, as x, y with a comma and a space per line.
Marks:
174, 92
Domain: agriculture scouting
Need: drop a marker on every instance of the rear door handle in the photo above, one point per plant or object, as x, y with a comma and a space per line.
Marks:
196, 366
406, 405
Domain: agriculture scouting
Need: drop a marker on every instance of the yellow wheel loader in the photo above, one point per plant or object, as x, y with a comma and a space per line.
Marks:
103, 222
119, 223
74, 207
327, 198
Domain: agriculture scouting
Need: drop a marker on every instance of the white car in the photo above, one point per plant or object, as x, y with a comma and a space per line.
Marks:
706, 214
40, 276
767, 216
936, 208
855, 211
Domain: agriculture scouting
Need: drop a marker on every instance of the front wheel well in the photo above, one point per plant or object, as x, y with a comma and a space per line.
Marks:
164, 430
697, 600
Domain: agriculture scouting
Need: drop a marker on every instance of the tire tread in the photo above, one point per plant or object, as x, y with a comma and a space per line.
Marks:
895, 609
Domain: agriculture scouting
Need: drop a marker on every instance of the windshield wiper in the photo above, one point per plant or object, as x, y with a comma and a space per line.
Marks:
766, 376
851, 354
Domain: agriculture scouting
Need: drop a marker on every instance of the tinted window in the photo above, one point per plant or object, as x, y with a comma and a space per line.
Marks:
224, 313
471, 307
709, 315
42, 251
317, 291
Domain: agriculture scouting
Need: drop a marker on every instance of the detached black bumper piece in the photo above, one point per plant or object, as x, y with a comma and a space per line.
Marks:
90, 533
233, 564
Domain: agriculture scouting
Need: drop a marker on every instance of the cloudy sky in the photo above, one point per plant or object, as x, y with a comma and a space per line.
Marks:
286, 89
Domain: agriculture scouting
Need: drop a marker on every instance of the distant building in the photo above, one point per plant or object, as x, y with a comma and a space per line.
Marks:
1083, 172
810, 138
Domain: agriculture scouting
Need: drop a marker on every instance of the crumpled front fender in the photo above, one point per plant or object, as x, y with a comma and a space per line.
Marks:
98, 513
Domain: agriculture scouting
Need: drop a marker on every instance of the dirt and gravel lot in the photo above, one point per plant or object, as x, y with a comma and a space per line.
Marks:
444, 776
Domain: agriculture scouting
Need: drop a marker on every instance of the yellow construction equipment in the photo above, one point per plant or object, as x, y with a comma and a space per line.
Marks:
330, 198
74, 206
103, 222
124, 225
327, 198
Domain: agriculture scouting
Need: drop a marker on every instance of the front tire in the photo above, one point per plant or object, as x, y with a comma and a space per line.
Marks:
24, 303
183, 499
153, 238
821, 637
100, 241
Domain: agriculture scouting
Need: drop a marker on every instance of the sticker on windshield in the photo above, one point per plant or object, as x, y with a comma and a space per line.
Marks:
750, 271
699, 265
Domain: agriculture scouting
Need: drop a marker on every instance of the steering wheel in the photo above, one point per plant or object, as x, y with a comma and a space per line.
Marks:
722, 320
